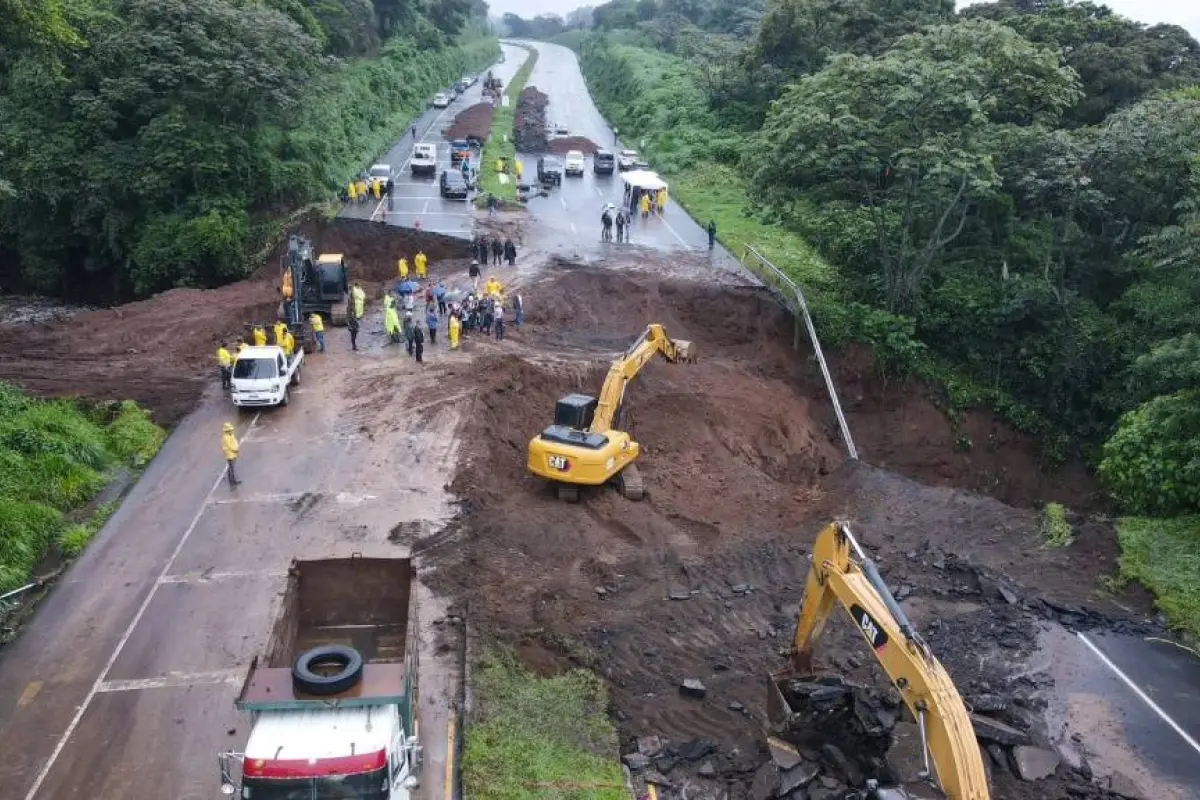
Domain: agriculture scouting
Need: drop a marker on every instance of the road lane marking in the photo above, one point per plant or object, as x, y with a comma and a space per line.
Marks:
173, 680
404, 164
1145, 698
573, 231
450, 726
137, 618
206, 576
686, 246
428, 214
32, 690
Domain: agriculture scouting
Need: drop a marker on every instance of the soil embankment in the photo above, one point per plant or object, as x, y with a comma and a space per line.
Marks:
529, 121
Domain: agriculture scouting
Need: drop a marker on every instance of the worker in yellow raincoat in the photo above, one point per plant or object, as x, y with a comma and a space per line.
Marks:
421, 263
351, 191
377, 188
645, 204
285, 288
455, 330
391, 322
289, 343
260, 336
318, 328
225, 362
360, 187
492, 287
280, 333
520, 169
360, 300
402, 266
229, 447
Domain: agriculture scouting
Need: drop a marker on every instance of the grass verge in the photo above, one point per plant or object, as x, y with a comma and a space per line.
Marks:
55, 456
532, 737
1164, 554
1056, 531
500, 143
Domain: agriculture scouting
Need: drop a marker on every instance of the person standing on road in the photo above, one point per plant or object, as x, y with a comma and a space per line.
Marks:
712, 233
391, 322
402, 268
225, 362
431, 322
351, 192
419, 343
422, 263
493, 204
510, 251
409, 326
352, 326
498, 314
318, 327
455, 326
439, 294
259, 335
230, 447
645, 204
474, 273
414, 134
482, 248
620, 226
497, 251
280, 334
360, 300
519, 308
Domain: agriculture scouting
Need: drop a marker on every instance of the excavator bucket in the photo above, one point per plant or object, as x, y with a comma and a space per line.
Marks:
684, 350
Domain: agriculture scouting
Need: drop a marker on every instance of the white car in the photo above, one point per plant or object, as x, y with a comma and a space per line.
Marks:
440, 100
381, 171
573, 163
424, 159
628, 159
468, 80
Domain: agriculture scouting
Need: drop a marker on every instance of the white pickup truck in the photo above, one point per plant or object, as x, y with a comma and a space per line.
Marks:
262, 375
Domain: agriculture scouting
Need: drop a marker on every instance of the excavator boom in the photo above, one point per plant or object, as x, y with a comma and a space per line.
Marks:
653, 341
842, 573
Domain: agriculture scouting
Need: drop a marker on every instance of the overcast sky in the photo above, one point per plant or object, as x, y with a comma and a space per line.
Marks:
1179, 12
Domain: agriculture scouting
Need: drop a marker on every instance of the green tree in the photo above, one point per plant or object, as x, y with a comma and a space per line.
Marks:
1152, 462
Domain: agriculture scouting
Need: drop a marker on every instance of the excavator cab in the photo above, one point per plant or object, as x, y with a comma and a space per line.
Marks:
582, 448
841, 572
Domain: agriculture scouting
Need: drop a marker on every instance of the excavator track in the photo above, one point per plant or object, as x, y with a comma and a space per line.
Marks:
629, 481
568, 492
337, 315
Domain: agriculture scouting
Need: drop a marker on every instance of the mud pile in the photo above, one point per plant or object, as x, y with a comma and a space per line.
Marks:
473, 123
161, 351
529, 121
684, 602
563, 144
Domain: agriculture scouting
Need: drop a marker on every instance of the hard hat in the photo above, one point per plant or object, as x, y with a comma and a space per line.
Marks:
228, 427
408, 313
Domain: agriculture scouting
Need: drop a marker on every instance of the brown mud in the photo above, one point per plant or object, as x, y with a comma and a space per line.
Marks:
472, 123
743, 465
161, 351
529, 121
563, 144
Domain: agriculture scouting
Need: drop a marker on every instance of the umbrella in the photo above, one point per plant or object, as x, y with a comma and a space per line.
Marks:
408, 287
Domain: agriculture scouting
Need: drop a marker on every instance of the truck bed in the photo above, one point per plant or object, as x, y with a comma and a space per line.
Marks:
360, 602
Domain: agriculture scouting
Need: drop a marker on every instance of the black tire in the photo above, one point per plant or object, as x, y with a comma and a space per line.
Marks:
347, 659
296, 377
283, 403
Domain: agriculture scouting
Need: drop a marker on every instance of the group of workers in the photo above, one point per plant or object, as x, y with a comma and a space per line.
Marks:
420, 263
364, 187
500, 251
647, 200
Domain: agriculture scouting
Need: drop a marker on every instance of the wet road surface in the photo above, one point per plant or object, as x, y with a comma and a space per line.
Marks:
122, 685
416, 200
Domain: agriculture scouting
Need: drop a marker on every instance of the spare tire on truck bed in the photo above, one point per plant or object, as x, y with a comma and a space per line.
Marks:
346, 659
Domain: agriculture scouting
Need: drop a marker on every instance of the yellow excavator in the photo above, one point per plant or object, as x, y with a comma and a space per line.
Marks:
842, 572
582, 448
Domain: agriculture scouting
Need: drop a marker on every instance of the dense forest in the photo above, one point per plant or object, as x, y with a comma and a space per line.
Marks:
149, 144
1006, 198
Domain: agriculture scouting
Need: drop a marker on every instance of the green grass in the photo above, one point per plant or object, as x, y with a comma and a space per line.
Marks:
1056, 531
500, 143
1164, 554
55, 455
545, 738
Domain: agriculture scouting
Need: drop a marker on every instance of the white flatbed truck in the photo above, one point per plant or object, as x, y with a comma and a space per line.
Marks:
263, 375
333, 698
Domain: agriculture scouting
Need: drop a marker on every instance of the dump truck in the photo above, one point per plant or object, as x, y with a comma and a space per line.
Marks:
332, 698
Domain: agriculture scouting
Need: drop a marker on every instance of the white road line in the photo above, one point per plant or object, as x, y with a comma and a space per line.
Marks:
430, 214
173, 680
137, 618
425, 209
573, 229
407, 161
1138, 691
562, 200
204, 576
598, 192
677, 236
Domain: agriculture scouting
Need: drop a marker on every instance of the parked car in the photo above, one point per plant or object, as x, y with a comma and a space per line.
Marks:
469, 80
381, 171
573, 164
459, 149
549, 171
453, 184
603, 162
440, 100
627, 160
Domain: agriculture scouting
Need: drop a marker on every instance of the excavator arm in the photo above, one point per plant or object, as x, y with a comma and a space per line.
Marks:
842, 573
653, 341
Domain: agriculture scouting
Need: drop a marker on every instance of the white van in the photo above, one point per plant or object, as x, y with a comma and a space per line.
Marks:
424, 159
262, 375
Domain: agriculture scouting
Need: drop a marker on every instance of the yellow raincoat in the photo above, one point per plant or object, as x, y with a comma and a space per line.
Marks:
402, 266
455, 330
280, 334
360, 300
229, 445
223, 356
421, 262
289, 344
391, 321
260, 336
318, 324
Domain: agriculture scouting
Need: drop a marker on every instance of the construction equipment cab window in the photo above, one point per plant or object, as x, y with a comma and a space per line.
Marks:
583, 446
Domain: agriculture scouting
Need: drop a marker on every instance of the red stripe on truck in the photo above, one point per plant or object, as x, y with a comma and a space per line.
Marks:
315, 768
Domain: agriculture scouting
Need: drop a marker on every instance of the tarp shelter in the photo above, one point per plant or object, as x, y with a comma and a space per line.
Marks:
639, 182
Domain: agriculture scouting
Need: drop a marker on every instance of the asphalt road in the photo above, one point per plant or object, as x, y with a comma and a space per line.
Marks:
416, 201
122, 685
574, 209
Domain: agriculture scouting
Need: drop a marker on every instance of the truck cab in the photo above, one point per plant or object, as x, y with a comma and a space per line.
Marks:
318, 737
262, 375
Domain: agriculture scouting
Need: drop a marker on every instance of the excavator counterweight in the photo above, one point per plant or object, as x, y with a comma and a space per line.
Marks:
842, 573
582, 447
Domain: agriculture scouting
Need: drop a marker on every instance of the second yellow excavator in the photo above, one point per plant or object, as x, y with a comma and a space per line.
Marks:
842, 572
582, 448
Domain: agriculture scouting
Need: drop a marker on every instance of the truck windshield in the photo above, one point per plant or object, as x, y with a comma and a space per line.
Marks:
369, 786
255, 369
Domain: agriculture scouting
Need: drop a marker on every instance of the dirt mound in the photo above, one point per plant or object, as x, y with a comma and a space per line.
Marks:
561, 145
160, 351
473, 123
529, 121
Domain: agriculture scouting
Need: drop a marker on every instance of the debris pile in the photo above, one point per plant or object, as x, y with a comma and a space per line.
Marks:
561, 145
473, 124
529, 122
